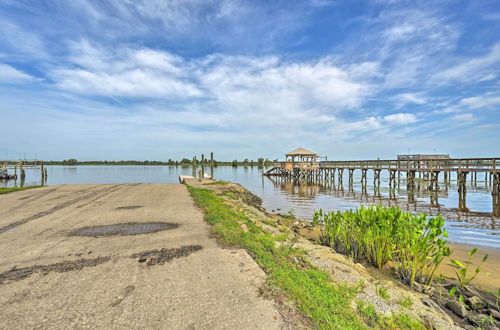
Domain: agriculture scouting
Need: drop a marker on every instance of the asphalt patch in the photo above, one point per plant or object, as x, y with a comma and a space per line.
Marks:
130, 207
159, 257
127, 228
16, 274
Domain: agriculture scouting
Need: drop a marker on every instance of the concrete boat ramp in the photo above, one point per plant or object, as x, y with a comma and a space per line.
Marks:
134, 256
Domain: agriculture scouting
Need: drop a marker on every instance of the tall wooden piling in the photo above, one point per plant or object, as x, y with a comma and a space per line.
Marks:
193, 163
410, 180
376, 178
202, 166
340, 178
363, 177
392, 178
212, 165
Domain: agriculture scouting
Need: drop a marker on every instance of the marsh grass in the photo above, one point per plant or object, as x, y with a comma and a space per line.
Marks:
415, 243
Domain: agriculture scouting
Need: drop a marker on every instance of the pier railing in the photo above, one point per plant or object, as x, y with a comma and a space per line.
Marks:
491, 165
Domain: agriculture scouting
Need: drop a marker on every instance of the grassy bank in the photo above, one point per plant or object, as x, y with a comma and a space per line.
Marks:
326, 304
12, 189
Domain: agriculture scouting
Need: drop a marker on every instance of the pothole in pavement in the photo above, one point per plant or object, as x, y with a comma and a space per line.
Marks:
16, 274
128, 228
155, 257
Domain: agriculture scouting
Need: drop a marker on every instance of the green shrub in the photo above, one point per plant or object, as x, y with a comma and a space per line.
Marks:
415, 243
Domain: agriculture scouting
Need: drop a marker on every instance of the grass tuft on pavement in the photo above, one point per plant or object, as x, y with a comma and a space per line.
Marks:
12, 189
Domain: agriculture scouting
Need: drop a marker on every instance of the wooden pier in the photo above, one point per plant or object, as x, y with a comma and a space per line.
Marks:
429, 170
302, 165
414, 168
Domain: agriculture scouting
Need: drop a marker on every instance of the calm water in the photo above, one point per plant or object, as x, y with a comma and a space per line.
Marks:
477, 227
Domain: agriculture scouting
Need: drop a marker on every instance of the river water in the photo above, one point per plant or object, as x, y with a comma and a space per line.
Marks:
479, 226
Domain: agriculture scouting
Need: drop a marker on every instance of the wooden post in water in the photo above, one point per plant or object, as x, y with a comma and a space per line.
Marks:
193, 163
212, 165
202, 166
351, 175
340, 172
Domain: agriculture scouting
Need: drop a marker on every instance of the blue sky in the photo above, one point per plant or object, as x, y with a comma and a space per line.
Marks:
158, 79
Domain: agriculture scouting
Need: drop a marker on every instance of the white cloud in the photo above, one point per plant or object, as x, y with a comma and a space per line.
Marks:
400, 118
9, 74
409, 42
238, 83
484, 101
465, 118
473, 69
124, 72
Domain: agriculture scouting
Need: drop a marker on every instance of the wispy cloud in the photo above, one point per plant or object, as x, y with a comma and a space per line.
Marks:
478, 68
8, 74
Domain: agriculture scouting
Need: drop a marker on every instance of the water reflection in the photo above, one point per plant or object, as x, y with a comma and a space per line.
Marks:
420, 199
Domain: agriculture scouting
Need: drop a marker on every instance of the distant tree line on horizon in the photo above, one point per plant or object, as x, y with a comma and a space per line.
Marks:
171, 162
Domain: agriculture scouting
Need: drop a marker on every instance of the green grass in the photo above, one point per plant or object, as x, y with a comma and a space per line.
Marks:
219, 182
382, 292
377, 321
326, 304
9, 190
406, 302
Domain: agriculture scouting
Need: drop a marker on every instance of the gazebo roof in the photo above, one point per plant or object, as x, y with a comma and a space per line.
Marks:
301, 152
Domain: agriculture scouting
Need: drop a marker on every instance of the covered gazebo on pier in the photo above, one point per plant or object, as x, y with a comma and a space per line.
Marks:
301, 155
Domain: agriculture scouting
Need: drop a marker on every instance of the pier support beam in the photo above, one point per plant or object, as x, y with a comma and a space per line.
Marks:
410, 180
392, 178
434, 183
462, 191
341, 173
496, 184
351, 177
376, 178
363, 177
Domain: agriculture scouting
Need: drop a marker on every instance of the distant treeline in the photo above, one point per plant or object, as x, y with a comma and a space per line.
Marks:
171, 162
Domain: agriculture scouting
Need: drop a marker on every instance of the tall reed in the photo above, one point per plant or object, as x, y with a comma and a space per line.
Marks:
416, 244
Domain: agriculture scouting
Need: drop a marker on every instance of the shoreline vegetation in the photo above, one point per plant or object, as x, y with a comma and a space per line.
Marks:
170, 162
336, 290
4, 190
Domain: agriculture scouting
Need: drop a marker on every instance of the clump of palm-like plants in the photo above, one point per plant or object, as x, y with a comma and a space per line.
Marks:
415, 243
